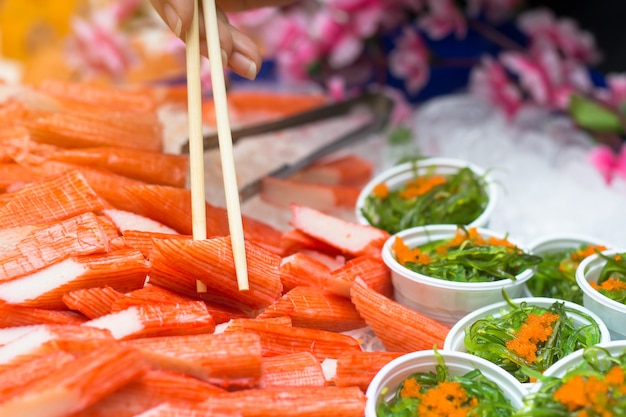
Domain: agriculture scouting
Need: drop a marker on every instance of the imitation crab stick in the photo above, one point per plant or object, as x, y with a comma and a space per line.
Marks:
14, 315
296, 369
309, 307
294, 241
168, 409
351, 238
283, 192
177, 264
153, 388
293, 402
301, 269
14, 176
156, 320
153, 294
43, 339
371, 270
359, 368
348, 170
228, 360
45, 246
399, 328
14, 144
82, 130
149, 167
278, 339
126, 220
77, 385
171, 206
50, 199
92, 302
81, 95
143, 241
15, 378
123, 270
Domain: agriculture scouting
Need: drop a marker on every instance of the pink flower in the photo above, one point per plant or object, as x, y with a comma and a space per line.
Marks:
409, 60
98, 47
402, 110
609, 163
491, 82
542, 27
496, 11
442, 19
546, 77
616, 93
295, 50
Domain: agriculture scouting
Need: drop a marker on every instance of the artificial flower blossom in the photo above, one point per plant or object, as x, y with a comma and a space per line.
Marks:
609, 163
542, 27
97, 44
409, 60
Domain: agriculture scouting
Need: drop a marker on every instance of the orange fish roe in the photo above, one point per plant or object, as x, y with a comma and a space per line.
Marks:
536, 329
381, 190
473, 236
448, 399
585, 394
410, 388
421, 185
404, 254
611, 284
581, 254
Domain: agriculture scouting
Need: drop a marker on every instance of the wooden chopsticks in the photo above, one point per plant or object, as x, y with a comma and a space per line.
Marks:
196, 150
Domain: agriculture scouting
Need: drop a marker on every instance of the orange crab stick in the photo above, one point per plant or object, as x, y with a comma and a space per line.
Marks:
399, 328
310, 307
123, 270
300, 269
44, 246
349, 170
359, 368
350, 238
92, 129
294, 402
150, 167
188, 410
296, 369
372, 270
228, 360
50, 199
177, 264
77, 385
14, 378
92, 302
43, 339
278, 339
156, 320
150, 390
13, 315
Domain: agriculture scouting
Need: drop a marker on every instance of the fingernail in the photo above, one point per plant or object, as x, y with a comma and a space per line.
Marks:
224, 58
172, 19
246, 65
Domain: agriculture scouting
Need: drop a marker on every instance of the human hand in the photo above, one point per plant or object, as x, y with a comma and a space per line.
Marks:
239, 52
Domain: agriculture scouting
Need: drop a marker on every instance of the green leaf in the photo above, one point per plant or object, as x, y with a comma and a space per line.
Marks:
593, 116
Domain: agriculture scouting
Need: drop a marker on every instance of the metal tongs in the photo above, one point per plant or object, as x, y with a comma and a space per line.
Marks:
379, 106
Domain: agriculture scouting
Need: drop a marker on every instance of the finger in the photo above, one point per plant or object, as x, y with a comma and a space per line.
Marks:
241, 5
177, 14
245, 58
225, 36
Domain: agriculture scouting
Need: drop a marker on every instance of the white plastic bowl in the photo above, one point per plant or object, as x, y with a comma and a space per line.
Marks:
458, 363
455, 338
610, 311
445, 301
396, 176
560, 242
